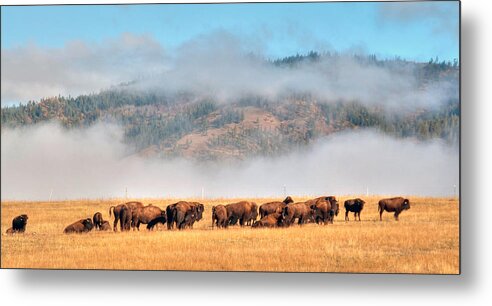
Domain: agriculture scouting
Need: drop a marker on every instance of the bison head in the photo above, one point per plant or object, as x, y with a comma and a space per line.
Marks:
199, 208
406, 204
288, 200
335, 208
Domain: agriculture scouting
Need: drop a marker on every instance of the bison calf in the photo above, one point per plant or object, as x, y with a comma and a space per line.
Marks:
155, 221
81, 226
396, 205
18, 225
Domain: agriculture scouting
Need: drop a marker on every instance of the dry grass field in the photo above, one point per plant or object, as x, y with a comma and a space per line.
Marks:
425, 240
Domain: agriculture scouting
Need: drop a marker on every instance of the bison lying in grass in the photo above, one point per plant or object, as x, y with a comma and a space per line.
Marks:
274, 219
18, 225
81, 226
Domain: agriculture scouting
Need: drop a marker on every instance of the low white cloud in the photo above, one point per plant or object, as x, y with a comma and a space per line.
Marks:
93, 163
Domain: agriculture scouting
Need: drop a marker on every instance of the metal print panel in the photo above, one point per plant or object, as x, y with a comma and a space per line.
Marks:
272, 137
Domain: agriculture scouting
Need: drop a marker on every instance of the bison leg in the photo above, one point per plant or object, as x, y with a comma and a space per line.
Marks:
380, 214
346, 215
396, 215
115, 223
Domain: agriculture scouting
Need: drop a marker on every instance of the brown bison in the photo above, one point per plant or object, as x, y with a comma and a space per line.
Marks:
243, 212
396, 205
147, 214
105, 226
97, 219
184, 214
355, 206
271, 220
219, 216
270, 208
300, 211
118, 214
81, 226
18, 225
253, 216
324, 209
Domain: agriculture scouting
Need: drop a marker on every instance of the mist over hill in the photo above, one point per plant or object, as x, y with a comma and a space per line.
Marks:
243, 126
299, 100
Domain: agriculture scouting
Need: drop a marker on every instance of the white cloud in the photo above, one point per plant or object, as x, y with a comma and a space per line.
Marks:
218, 64
91, 163
31, 72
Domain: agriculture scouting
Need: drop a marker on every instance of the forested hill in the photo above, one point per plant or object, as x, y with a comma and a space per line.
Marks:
197, 127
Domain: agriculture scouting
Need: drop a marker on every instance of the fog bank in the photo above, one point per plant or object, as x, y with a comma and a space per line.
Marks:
93, 163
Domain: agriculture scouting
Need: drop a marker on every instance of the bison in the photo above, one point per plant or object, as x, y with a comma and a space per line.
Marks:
155, 221
97, 219
81, 226
105, 226
397, 205
118, 212
184, 214
355, 206
243, 212
300, 211
18, 225
324, 209
271, 220
147, 214
219, 216
270, 208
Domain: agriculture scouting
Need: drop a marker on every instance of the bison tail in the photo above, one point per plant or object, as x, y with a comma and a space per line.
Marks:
110, 210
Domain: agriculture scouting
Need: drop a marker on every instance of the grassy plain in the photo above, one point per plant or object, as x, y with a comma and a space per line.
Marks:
425, 240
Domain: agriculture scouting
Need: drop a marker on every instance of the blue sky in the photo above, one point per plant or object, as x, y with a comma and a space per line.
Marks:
415, 31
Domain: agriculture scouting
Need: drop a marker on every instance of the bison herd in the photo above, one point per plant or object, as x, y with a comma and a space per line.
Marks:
183, 214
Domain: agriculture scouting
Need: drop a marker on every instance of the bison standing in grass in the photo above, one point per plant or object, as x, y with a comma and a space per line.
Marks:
355, 206
270, 208
244, 212
184, 214
219, 216
146, 215
18, 225
123, 213
324, 209
396, 205
300, 211
81, 226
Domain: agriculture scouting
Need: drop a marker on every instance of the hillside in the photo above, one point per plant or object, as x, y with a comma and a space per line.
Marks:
191, 126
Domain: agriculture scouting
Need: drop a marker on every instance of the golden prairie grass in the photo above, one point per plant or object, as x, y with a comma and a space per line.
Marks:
425, 240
